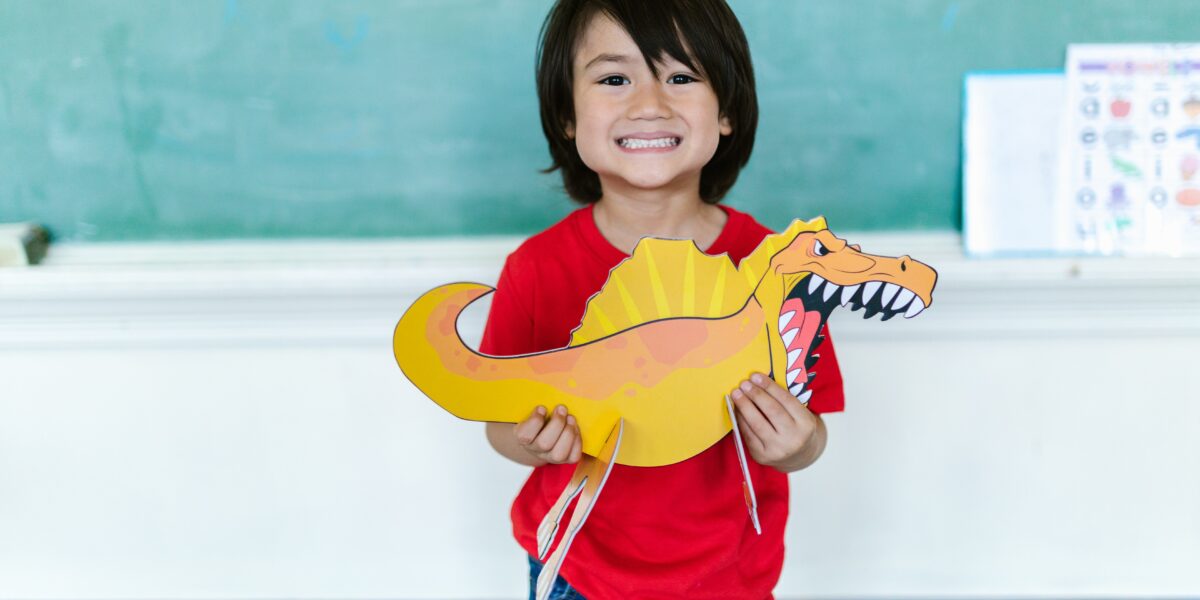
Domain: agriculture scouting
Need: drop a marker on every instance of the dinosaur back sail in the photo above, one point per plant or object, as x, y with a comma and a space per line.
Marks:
649, 286
639, 290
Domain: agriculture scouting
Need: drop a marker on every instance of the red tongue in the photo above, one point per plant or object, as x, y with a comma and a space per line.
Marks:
808, 322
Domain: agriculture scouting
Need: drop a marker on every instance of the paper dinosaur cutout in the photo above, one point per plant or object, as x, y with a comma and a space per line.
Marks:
646, 371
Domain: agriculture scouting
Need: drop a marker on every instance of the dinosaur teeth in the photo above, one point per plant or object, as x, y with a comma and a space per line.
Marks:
914, 309
792, 356
791, 377
805, 396
785, 318
814, 282
891, 301
869, 289
830, 290
848, 293
902, 299
789, 336
797, 389
889, 292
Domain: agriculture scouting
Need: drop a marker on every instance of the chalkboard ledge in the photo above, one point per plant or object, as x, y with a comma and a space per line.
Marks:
352, 292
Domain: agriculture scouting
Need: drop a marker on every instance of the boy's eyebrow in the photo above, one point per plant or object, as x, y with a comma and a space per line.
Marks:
617, 58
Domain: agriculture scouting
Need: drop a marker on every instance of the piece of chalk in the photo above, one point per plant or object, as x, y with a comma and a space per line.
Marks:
22, 244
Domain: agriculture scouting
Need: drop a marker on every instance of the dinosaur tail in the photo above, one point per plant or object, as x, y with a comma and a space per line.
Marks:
475, 386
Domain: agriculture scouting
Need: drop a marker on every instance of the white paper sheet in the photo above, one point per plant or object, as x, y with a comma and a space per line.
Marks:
1011, 130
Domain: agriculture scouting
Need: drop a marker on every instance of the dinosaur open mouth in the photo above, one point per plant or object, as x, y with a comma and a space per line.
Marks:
874, 296
808, 306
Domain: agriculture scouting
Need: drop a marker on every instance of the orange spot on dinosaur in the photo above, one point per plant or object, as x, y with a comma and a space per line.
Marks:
673, 340
449, 316
473, 363
553, 362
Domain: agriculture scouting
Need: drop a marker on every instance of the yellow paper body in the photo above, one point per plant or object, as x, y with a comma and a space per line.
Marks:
667, 378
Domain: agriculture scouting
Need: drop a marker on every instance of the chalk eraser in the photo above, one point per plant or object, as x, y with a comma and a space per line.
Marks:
22, 244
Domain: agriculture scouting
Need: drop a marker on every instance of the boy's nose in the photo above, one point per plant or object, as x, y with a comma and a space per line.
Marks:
650, 102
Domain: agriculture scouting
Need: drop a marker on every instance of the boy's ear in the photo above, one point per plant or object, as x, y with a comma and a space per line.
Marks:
726, 126
570, 129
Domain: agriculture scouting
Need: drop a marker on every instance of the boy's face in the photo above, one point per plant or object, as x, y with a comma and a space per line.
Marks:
674, 117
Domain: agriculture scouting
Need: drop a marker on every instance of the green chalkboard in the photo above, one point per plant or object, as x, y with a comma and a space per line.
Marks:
207, 119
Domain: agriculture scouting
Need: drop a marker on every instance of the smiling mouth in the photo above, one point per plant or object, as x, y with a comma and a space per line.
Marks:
639, 144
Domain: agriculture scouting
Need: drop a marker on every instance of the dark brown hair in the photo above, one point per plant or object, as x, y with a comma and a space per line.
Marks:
708, 28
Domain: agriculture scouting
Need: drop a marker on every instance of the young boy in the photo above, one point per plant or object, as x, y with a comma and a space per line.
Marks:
650, 113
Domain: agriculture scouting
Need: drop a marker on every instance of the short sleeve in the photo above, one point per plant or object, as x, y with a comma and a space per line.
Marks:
509, 327
828, 395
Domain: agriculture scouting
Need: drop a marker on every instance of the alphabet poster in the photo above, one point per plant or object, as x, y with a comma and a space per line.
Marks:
1130, 179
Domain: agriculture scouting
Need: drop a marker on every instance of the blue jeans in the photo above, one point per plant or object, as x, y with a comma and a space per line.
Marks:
561, 590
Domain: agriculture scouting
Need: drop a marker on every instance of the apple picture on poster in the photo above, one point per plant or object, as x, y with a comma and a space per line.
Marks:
1120, 108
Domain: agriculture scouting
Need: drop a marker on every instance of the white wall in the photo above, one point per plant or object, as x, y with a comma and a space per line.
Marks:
227, 421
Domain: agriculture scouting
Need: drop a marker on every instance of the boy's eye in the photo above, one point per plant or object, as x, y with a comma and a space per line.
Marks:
620, 79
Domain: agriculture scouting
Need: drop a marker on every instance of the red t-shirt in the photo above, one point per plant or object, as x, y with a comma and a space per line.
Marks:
677, 531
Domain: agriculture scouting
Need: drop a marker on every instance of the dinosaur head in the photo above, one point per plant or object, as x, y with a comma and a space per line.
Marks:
817, 272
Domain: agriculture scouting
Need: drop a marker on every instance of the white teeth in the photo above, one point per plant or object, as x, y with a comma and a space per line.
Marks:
797, 389
785, 318
889, 292
902, 299
848, 293
658, 143
791, 377
869, 289
830, 290
914, 309
789, 336
814, 281
805, 396
792, 356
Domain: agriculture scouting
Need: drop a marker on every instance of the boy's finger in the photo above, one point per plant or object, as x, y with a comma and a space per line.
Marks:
770, 408
577, 449
562, 446
749, 438
785, 398
545, 440
527, 430
750, 417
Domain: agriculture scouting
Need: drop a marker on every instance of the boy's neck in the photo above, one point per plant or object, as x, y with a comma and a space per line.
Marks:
623, 220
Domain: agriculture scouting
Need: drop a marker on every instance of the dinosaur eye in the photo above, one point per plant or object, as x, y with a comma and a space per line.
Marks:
819, 249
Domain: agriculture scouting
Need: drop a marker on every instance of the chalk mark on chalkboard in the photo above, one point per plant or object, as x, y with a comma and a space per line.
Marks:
3, 100
116, 50
336, 38
950, 16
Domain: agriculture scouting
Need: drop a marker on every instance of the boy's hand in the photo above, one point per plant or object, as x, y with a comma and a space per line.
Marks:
778, 430
553, 441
